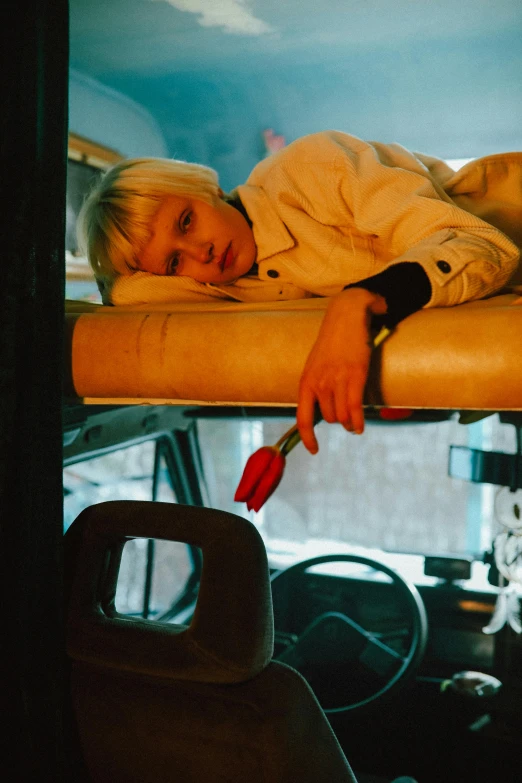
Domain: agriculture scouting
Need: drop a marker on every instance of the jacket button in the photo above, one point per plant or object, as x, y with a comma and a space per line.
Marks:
444, 266
273, 273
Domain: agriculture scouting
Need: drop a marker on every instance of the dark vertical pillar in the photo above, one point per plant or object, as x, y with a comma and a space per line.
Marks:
33, 118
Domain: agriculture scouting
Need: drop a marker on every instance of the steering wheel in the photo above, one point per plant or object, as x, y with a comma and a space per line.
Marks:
335, 653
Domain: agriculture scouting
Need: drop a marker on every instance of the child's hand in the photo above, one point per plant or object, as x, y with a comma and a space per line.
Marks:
337, 368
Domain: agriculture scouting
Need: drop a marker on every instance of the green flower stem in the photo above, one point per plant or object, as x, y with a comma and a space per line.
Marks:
286, 436
289, 444
381, 337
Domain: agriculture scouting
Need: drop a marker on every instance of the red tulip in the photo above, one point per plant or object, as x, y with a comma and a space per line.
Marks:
394, 414
261, 476
264, 469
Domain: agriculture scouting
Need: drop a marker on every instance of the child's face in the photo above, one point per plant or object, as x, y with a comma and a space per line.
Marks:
190, 238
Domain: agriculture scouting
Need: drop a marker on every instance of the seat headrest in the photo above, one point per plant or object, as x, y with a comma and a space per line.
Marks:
230, 638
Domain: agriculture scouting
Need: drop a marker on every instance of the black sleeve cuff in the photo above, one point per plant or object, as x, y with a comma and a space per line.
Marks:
406, 288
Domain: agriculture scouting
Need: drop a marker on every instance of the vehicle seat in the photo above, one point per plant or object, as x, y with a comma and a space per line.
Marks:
156, 702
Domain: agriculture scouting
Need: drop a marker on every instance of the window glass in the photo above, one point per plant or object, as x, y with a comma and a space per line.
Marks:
79, 282
388, 489
171, 568
458, 163
127, 474
80, 177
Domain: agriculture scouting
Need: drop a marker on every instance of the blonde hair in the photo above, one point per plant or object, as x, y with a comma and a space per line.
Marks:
114, 222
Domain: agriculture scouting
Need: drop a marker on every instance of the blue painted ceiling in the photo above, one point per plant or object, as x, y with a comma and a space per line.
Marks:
443, 77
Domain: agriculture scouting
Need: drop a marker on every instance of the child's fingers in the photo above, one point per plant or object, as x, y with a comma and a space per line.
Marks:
342, 411
358, 420
355, 400
305, 419
327, 405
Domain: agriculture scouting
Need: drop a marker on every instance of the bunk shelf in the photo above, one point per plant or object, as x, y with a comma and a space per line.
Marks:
466, 357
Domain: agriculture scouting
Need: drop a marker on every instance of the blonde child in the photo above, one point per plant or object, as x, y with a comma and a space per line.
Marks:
381, 231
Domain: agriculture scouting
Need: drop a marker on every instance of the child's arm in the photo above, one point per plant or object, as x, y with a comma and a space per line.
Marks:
337, 367
344, 345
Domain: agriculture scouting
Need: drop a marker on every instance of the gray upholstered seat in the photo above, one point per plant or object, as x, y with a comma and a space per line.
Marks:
201, 704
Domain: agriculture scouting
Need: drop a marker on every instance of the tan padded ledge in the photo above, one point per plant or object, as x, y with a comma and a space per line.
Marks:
464, 357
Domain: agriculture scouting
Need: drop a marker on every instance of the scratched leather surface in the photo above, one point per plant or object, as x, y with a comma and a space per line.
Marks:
467, 356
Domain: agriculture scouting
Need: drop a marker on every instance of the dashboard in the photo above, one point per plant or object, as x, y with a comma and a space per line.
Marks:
456, 617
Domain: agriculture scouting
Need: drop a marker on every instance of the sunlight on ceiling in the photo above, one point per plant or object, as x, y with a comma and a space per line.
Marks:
233, 16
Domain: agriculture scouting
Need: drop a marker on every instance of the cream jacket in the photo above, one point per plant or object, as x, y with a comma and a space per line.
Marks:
330, 210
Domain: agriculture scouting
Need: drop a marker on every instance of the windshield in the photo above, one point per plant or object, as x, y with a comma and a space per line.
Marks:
387, 490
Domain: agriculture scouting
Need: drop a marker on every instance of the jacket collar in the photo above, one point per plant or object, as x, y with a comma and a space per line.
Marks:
270, 233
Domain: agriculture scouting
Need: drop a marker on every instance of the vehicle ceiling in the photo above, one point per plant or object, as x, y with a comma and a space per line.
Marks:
443, 77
